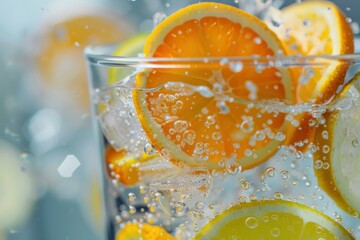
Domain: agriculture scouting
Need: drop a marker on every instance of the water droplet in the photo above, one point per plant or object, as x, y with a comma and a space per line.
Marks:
158, 17
251, 222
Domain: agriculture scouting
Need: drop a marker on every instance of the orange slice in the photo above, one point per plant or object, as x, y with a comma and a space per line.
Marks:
135, 231
198, 130
60, 58
122, 167
316, 28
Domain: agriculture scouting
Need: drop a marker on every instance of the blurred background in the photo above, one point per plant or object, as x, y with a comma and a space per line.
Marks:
50, 176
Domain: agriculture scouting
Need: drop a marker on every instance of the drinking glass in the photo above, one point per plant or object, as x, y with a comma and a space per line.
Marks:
176, 154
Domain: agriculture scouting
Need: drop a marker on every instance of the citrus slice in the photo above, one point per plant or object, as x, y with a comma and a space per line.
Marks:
272, 219
337, 160
313, 28
144, 231
122, 167
201, 128
131, 47
60, 59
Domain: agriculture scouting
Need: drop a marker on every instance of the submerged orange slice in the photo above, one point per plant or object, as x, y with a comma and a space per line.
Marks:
211, 130
316, 28
135, 231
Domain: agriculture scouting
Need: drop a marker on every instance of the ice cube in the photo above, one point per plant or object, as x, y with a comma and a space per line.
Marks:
120, 124
68, 166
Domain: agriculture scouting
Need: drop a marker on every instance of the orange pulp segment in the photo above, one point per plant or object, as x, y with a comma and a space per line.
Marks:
196, 130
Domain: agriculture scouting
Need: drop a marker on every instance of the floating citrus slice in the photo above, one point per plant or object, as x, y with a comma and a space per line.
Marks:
144, 231
131, 47
316, 28
337, 160
204, 128
122, 167
272, 219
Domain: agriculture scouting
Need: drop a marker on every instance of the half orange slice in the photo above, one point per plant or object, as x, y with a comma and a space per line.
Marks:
317, 28
214, 128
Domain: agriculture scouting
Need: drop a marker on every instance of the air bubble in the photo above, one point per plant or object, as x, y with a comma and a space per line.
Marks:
318, 164
270, 171
284, 174
278, 195
246, 185
149, 149
200, 205
325, 135
355, 142
131, 197
280, 136
180, 208
216, 136
180, 126
326, 149
251, 222
275, 232
236, 66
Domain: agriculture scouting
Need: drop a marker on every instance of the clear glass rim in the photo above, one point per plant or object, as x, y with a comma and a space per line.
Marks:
99, 54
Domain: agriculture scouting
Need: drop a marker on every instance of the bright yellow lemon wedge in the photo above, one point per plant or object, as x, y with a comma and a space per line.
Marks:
272, 219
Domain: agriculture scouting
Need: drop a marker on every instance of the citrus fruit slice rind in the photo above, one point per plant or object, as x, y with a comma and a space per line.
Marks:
336, 162
206, 127
316, 28
272, 219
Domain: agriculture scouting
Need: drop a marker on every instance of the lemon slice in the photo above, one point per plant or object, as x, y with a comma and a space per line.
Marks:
272, 219
132, 47
16, 190
337, 160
